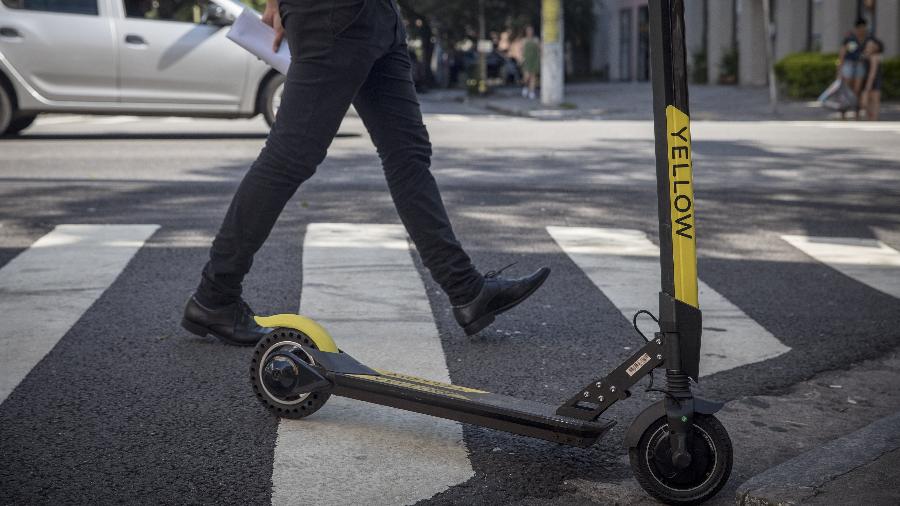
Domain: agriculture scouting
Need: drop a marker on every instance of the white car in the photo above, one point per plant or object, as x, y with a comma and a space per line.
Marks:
136, 57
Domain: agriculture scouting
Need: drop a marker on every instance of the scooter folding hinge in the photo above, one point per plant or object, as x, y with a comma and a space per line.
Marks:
291, 375
599, 395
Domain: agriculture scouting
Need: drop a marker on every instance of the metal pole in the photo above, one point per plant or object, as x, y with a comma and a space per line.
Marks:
679, 312
668, 70
552, 64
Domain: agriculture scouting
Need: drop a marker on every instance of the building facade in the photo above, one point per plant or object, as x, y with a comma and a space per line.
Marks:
731, 34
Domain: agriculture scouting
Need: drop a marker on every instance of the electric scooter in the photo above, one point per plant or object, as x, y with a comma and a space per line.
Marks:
679, 452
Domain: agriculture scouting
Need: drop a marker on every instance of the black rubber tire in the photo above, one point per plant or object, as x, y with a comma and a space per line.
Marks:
20, 123
711, 450
310, 404
267, 97
6, 110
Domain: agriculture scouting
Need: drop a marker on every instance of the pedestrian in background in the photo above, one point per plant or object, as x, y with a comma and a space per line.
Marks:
531, 62
850, 66
870, 98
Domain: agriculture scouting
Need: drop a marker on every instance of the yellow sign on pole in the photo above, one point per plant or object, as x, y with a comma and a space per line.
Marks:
681, 200
550, 15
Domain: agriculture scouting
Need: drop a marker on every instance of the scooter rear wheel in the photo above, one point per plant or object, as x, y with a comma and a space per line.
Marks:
286, 406
711, 454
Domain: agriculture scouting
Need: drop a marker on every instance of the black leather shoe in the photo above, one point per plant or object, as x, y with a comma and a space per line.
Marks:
232, 324
496, 296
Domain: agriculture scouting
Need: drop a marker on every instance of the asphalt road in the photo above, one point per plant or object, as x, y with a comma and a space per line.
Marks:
126, 407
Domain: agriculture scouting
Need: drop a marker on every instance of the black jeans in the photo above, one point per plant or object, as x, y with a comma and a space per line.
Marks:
343, 52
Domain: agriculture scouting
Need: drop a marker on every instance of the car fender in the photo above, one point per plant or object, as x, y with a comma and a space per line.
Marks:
19, 89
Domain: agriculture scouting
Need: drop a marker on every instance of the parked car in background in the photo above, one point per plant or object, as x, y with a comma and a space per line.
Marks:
136, 57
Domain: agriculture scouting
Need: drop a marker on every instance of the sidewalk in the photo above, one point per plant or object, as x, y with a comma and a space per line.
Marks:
632, 101
860, 468
832, 440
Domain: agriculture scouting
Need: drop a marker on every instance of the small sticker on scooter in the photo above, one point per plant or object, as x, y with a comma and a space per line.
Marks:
636, 366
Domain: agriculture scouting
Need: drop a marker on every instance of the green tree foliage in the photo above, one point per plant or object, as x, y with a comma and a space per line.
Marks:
259, 5
806, 75
890, 80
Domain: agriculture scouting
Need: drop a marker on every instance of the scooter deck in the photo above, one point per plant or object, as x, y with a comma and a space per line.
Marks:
468, 405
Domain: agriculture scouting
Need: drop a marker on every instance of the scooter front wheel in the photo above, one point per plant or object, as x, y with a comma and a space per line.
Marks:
283, 402
711, 459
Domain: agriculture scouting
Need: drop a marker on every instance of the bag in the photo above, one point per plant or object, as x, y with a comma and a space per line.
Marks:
838, 97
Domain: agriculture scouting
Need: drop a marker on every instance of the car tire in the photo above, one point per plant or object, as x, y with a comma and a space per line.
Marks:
6, 110
270, 98
20, 123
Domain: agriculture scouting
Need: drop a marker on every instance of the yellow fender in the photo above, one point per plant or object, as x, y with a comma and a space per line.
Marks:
308, 326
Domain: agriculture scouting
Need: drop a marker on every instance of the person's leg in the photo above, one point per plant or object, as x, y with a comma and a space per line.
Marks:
856, 85
874, 104
320, 85
388, 106
846, 74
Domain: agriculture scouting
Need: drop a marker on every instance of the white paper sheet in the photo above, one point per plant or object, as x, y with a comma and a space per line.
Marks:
249, 32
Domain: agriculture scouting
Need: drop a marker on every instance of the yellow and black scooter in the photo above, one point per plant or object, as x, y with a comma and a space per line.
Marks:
680, 453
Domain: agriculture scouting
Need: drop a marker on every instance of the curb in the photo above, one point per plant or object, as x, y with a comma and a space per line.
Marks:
540, 113
509, 111
796, 480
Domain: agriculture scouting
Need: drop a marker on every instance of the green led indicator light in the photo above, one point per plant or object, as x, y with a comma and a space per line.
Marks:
683, 418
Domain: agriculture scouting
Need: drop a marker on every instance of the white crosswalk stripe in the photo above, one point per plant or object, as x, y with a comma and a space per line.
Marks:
47, 288
359, 281
624, 264
868, 261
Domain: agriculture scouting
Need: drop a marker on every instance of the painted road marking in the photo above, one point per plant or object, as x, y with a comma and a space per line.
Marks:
455, 118
624, 264
359, 281
868, 261
47, 288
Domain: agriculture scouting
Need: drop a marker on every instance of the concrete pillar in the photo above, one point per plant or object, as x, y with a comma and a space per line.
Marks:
752, 43
693, 26
887, 15
552, 53
693, 30
719, 35
837, 19
600, 46
790, 27
612, 11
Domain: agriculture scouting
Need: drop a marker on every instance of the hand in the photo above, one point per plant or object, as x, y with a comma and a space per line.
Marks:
272, 17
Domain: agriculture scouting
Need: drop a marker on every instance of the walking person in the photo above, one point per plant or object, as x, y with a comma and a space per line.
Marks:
531, 62
850, 66
870, 98
343, 52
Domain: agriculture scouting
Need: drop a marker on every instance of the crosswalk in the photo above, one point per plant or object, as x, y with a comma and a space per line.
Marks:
624, 265
46, 289
868, 261
360, 282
